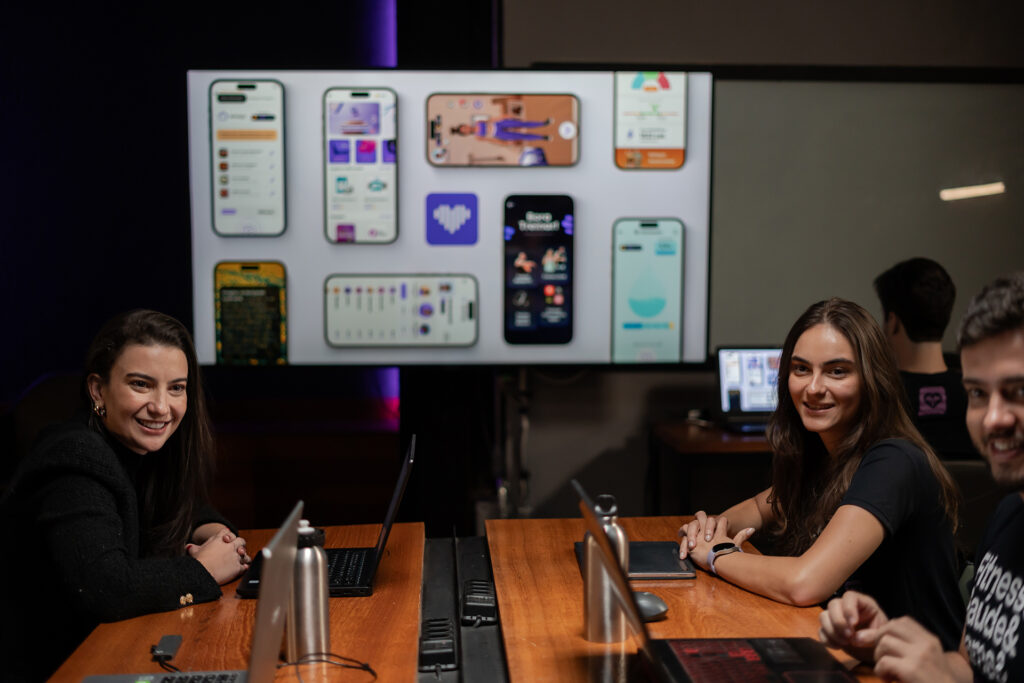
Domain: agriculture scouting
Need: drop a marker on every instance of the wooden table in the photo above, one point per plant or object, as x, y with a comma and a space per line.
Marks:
687, 444
540, 599
382, 629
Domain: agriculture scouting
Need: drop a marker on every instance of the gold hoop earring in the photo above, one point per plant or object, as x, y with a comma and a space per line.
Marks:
99, 410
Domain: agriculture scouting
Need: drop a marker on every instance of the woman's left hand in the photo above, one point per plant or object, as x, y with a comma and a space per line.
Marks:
216, 553
699, 553
227, 536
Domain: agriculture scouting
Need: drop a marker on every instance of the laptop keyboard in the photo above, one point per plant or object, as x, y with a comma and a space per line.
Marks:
346, 568
723, 660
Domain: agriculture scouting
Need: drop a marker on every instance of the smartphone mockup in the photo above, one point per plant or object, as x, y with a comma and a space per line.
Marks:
360, 165
247, 164
491, 129
400, 310
539, 267
250, 313
650, 119
647, 290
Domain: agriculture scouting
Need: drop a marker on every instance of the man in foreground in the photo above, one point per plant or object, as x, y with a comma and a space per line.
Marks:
991, 341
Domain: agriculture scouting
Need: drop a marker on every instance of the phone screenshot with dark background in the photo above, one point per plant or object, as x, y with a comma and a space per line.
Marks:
250, 314
538, 269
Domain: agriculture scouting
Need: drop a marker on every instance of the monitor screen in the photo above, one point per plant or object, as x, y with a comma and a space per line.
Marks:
450, 217
747, 379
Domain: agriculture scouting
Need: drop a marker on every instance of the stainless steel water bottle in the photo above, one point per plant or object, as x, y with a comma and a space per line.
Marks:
308, 618
603, 619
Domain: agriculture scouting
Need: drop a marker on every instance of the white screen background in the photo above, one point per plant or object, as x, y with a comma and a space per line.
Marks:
602, 193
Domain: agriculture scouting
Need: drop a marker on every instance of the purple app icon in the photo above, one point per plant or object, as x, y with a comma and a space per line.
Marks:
366, 152
339, 151
346, 232
451, 219
387, 151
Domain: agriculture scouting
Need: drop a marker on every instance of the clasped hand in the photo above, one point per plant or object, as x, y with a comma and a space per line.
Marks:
223, 554
700, 535
902, 649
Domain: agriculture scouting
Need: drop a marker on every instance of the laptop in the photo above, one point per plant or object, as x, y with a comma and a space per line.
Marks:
278, 559
747, 391
350, 571
700, 660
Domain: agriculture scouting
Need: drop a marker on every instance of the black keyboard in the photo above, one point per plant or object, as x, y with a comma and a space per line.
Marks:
346, 567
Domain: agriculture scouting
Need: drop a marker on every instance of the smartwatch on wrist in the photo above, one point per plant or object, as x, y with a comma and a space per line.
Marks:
720, 549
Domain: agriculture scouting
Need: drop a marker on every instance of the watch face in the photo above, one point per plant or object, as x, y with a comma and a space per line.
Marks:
718, 547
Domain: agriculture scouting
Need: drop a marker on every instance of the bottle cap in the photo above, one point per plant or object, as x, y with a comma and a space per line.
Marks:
309, 536
605, 505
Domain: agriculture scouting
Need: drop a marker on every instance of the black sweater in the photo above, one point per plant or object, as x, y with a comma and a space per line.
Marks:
72, 551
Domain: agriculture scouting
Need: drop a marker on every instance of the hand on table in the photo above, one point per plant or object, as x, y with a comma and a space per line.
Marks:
851, 623
702, 525
703, 534
907, 651
223, 555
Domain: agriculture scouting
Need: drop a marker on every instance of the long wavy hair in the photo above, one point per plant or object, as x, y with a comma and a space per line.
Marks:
807, 482
175, 480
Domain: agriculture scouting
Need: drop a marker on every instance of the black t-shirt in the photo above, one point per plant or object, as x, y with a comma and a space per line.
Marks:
938, 404
995, 633
913, 572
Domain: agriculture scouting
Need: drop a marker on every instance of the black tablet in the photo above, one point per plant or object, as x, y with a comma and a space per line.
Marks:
652, 560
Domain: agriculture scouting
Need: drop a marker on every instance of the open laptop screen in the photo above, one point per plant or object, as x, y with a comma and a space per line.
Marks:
747, 379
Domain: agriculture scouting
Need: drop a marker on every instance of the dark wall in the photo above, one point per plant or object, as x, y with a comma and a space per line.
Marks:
96, 220
881, 33
94, 161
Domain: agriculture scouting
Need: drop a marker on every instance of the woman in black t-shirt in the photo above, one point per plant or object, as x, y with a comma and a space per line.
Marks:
858, 499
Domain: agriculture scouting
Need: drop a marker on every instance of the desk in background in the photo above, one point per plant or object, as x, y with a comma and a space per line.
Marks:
540, 598
738, 467
381, 629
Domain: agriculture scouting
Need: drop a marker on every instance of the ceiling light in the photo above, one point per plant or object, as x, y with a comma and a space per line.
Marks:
971, 191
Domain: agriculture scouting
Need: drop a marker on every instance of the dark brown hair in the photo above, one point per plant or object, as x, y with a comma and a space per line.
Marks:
920, 293
807, 482
174, 480
997, 308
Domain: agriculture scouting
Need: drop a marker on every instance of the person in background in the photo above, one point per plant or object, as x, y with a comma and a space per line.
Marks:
107, 518
858, 498
991, 341
917, 299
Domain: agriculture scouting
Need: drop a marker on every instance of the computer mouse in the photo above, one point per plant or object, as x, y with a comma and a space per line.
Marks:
650, 605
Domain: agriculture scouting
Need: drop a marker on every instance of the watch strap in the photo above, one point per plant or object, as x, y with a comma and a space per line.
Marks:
714, 554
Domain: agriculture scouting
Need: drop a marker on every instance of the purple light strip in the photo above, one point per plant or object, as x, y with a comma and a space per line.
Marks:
386, 21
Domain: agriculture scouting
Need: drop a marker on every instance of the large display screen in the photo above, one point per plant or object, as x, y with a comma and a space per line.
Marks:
511, 206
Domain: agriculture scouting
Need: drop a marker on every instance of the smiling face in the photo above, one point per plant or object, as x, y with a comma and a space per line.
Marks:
825, 383
993, 371
144, 396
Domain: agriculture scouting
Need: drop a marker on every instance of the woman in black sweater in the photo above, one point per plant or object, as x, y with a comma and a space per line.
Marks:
107, 518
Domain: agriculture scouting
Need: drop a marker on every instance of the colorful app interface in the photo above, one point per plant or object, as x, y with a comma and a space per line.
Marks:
401, 310
647, 296
748, 379
502, 130
359, 165
250, 314
538, 269
650, 119
247, 164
